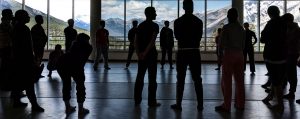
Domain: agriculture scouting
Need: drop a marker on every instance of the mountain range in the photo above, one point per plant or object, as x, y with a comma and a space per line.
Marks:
215, 18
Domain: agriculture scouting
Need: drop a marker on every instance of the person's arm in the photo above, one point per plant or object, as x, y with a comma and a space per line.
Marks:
149, 46
255, 38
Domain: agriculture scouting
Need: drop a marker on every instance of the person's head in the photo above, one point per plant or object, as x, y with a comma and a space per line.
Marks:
57, 47
21, 16
7, 14
219, 30
288, 18
232, 15
71, 22
188, 6
246, 25
102, 23
134, 23
82, 37
39, 19
167, 23
273, 11
150, 13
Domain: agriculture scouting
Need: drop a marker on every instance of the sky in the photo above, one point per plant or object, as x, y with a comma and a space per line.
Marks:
167, 9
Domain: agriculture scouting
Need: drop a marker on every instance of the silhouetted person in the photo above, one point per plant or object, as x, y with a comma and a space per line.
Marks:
102, 45
71, 66
249, 50
5, 45
233, 43
39, 39
70, 34
147, 58
24, 65
131, 37
275, 53
53, 58
219, 50
188, 30
293, 40
166, 44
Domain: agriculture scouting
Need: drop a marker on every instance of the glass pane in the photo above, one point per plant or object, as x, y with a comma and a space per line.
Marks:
14, 5
264, 17
216, 18
60, 12
82, 16
166, 11
36, 7
250, 16
293, 8
112, 11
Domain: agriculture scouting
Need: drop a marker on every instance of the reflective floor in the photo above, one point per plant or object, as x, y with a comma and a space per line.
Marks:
110, 96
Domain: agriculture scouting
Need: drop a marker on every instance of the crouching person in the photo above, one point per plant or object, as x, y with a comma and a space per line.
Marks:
71, 65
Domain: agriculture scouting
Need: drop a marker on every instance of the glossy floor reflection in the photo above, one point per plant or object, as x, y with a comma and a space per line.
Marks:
110, 96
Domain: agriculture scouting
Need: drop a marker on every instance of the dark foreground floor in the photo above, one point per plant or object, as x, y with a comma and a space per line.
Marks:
110, 96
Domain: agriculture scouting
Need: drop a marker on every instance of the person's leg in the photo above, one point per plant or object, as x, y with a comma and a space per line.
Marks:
79, 79
98, 56
152, 87
195, 68
66, 90
105, 56
181, 67
251, 59
139, 83
130, 53
239, 81
291, 75
30, 92
163, 57
226, 82
245, 53
170, 57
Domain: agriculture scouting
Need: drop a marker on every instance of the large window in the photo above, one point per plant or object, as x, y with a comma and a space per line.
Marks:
60, 12
14, 5
293, 8
119, 14
113, 15
216, 18
82, 16
251, 17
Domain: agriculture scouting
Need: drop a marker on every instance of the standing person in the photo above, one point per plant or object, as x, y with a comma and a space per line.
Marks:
39, 39
70, 34
71, 66
219, 50
275, 54
5, 44
53, 58
131, 37
24, 64
249, 50
293, 40
166, 44
102, 45
188, 30
232, 42
147, 58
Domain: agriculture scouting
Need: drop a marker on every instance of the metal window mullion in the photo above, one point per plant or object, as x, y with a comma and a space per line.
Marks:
48, 19
205, 24
258, 24
73, 13
124, 35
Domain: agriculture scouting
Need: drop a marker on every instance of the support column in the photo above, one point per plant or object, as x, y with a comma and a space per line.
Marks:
95, 18
239, 5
